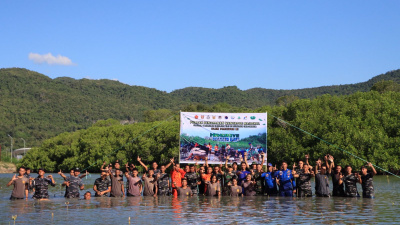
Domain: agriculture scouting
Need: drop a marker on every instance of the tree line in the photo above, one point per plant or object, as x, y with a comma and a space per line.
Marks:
365, 124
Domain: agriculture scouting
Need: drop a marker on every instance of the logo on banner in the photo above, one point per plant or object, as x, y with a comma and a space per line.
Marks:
202, 116
252, 117
232, 117
239, 118
220, 117
226, 117
214, 117
245, 117
208, 117
196, 117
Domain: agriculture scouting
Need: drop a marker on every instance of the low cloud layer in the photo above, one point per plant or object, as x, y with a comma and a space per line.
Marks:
50, 59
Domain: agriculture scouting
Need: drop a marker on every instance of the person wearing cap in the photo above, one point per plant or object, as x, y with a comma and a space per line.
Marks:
41, 185
270, 183
74, 184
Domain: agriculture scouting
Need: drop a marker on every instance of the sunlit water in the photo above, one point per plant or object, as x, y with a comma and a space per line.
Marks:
198, 210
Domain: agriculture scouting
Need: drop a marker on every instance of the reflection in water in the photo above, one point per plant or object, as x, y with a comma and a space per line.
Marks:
199, 209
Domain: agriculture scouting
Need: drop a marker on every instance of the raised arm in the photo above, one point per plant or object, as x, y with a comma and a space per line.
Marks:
170, 163
245, 160
332, 164
12, 180
141, 163
373, 168
263, 155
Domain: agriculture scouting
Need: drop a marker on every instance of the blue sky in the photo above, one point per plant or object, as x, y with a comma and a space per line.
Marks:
170, 45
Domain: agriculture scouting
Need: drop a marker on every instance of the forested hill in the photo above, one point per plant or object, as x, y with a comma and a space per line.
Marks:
257, 97
36, 107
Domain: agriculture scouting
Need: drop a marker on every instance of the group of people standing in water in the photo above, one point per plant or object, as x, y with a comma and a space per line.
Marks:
230, 179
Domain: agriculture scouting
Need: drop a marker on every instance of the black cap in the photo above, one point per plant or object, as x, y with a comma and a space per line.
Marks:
77, 170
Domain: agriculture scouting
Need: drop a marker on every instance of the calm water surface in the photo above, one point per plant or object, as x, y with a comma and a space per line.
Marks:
383, 209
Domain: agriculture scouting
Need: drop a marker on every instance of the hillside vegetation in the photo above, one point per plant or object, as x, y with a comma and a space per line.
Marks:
36, 107
364, 124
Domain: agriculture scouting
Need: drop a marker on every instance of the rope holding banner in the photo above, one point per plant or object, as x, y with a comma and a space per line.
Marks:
335, 146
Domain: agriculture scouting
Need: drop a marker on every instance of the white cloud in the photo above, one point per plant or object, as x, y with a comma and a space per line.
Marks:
50, 59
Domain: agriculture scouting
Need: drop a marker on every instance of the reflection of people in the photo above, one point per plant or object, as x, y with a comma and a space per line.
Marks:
21, 184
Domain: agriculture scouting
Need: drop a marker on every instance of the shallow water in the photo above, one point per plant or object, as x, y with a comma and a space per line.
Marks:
198, 210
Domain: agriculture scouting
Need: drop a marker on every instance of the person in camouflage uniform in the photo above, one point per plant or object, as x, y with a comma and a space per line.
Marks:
102, 185
366, 181
163, 182
228, 176
259, 181
41, 185
350, 181
193, 179
303, 182
74, 184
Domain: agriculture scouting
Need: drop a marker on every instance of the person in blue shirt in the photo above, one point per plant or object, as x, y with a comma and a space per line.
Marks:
242, 173
285, 181
270, 182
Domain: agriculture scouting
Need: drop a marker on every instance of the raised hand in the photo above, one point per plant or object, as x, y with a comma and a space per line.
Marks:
139, 159
294, 166
60, 172
14, 177
307, 156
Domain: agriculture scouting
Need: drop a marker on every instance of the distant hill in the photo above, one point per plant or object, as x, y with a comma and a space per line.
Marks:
36, 107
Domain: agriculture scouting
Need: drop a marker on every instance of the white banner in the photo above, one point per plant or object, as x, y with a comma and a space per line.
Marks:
219, 136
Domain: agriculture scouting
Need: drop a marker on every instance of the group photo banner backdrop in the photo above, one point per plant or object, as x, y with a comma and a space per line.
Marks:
221, 136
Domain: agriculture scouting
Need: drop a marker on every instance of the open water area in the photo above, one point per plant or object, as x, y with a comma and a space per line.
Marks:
383, 209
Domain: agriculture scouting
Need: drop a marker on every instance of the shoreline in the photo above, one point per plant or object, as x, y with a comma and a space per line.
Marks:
6, 167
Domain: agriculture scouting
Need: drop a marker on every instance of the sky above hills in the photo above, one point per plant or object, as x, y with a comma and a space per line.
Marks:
170, 45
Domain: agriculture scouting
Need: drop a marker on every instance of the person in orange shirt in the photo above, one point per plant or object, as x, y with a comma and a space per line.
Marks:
207, 176
176, 177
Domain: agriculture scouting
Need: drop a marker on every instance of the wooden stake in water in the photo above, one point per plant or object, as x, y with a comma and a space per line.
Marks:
14, 217
129, 220
67, 203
